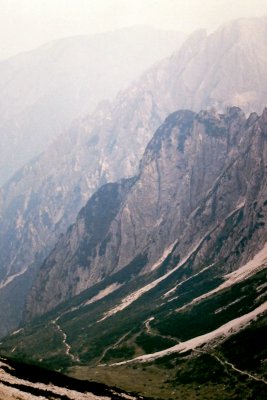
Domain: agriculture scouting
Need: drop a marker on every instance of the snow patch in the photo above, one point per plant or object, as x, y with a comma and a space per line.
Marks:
228, 305
147, 324
16, 332
165, 254
222, 332
167, 294
128, 300
103, 293
8, 280
262, 287
258, 263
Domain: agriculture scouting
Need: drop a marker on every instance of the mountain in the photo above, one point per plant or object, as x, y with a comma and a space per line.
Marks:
162, 278
39, 203
193, 181
43, 90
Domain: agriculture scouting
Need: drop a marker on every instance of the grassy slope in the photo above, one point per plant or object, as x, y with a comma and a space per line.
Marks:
124, 336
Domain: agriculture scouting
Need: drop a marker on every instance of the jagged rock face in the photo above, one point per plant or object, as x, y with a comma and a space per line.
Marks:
43, 199
43, 90
84, 238
217, 70
202, 181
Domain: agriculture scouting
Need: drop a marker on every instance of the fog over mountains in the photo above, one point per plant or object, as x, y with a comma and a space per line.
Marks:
140, 232
43, 90
39, 203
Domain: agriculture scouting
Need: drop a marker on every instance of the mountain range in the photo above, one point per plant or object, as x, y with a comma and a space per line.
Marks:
133, 249
43, 90
39, 203
193, 173
166, 268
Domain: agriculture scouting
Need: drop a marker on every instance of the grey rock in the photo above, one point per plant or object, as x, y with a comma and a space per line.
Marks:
201, 185
43, 199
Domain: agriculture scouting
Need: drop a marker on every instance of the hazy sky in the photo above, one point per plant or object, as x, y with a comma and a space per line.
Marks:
26, 24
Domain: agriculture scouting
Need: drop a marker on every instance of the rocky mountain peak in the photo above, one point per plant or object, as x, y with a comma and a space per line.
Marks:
209, 72
263, 121
193, 178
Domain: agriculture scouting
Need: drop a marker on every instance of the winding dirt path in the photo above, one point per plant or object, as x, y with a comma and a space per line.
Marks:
227, 363
64, 341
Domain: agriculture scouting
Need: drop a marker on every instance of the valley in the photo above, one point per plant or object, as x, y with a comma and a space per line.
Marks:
133, 242
184, 305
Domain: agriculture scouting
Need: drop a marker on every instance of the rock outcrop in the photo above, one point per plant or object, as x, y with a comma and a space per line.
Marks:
201, 185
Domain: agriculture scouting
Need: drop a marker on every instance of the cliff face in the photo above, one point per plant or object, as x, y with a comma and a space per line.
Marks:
40, 202
201, 187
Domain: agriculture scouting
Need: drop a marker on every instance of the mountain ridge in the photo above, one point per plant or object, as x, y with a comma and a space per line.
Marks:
190, 298
40, 203
44, 89
206, 148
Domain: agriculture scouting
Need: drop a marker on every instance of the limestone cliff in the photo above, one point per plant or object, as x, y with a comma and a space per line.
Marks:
201, 185
39, 203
